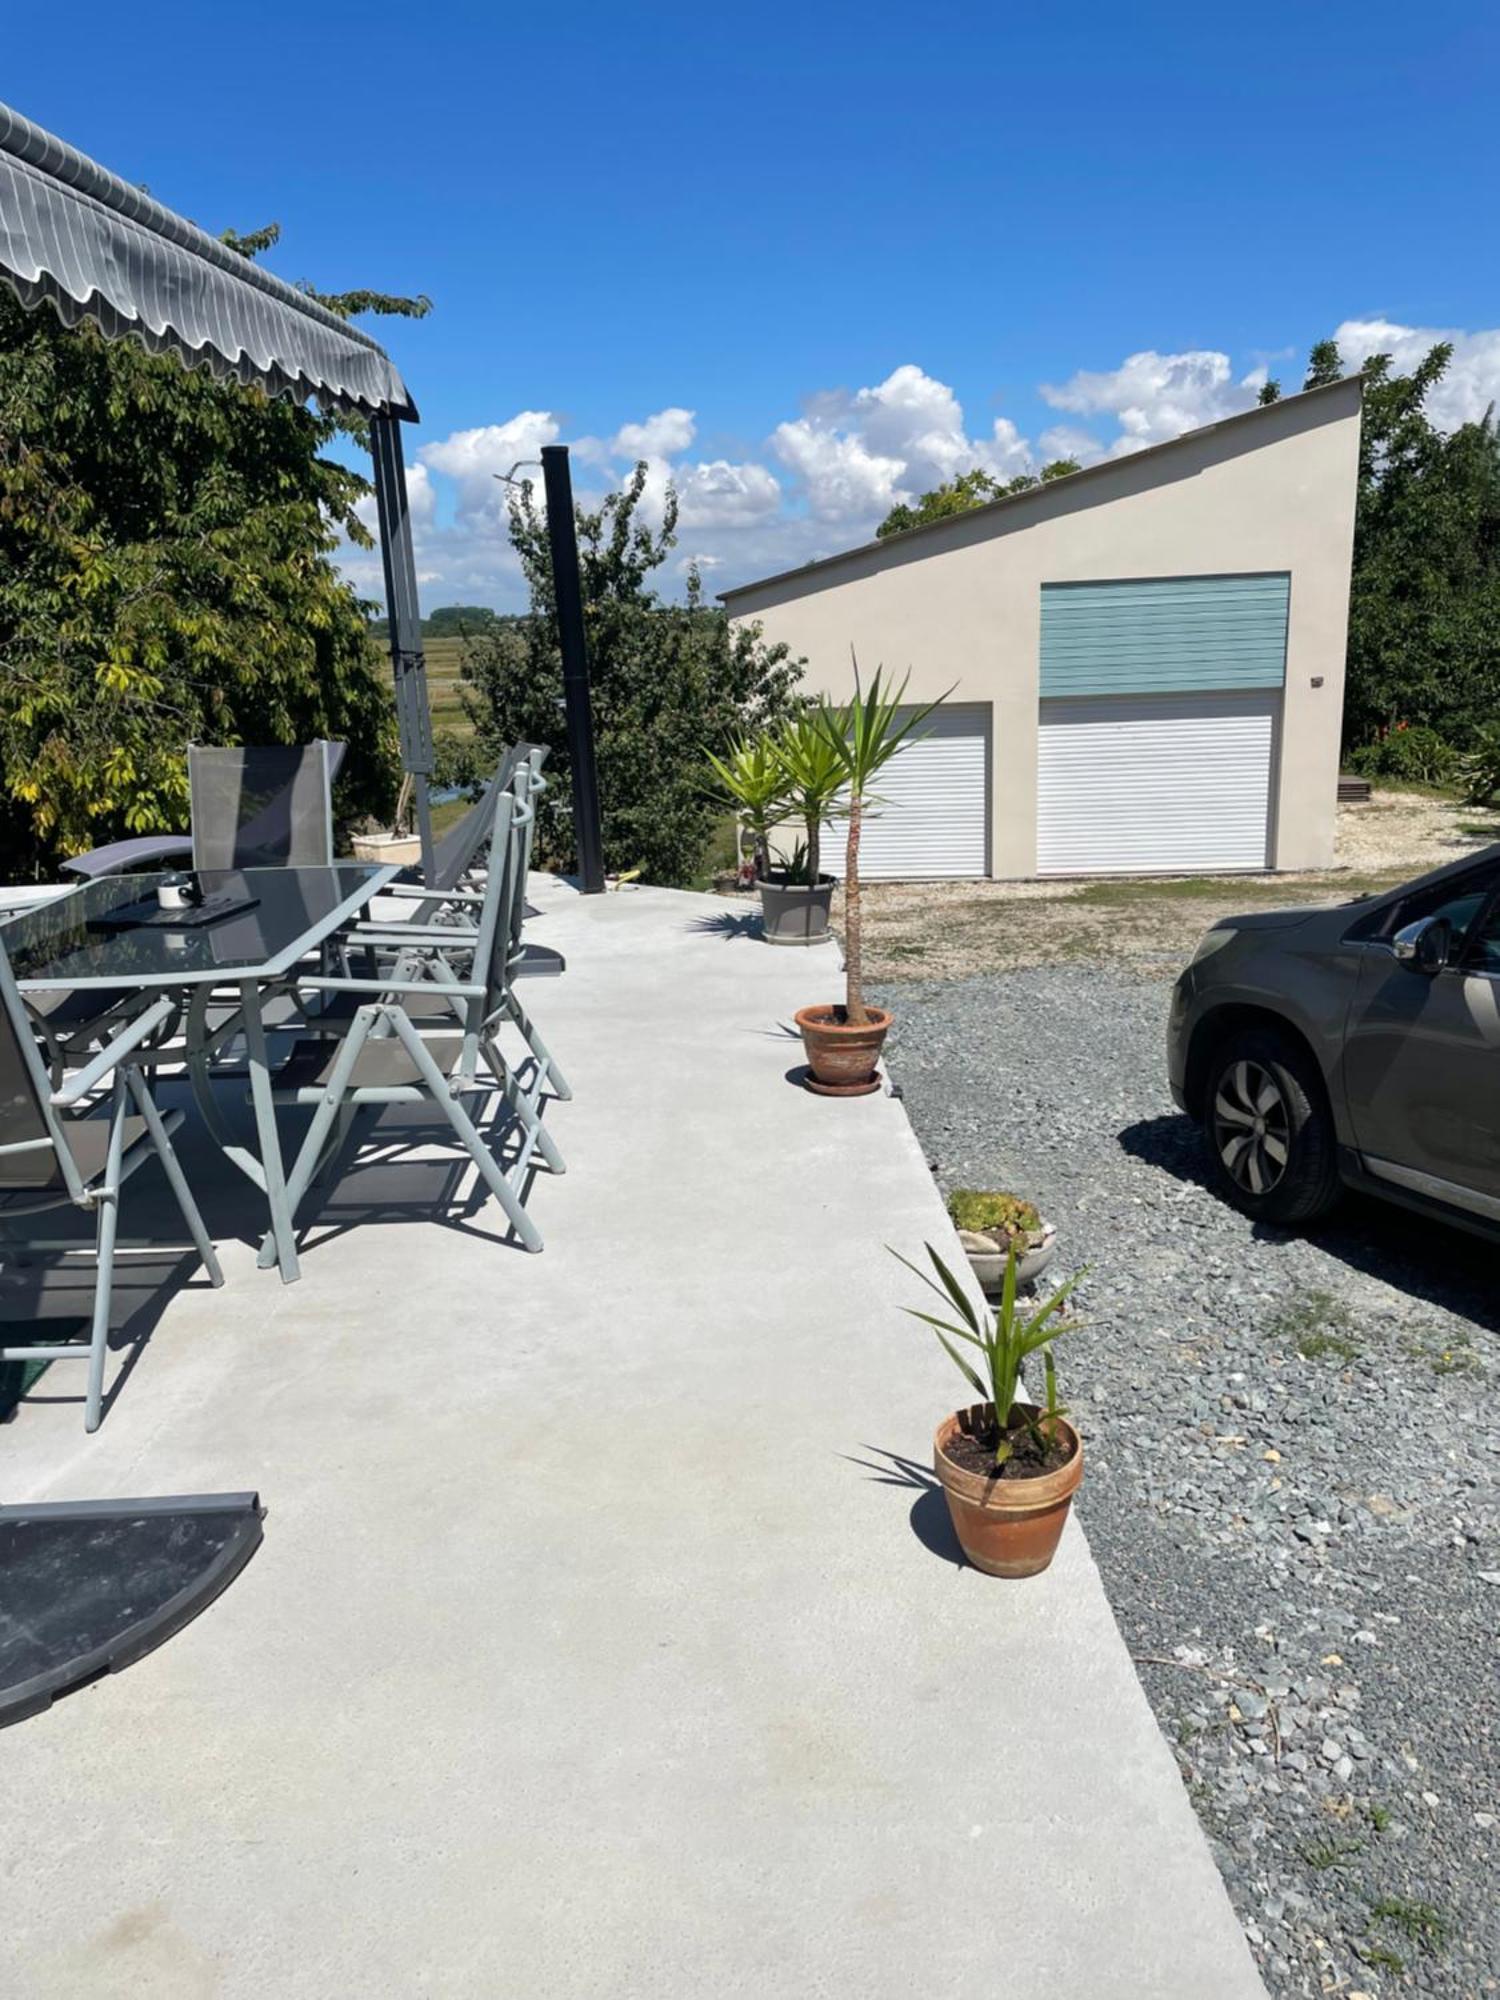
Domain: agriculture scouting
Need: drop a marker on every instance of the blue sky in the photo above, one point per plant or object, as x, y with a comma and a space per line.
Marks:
808, 259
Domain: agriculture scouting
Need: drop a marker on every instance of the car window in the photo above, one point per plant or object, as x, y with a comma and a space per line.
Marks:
1460, 900
1483, 949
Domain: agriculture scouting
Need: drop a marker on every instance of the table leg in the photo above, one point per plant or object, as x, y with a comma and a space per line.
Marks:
282, 1234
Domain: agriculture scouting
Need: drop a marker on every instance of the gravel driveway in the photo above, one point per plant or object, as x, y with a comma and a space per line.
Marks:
1293, 1488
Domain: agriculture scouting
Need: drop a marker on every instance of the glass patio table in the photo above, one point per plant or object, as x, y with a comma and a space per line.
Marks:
109, 936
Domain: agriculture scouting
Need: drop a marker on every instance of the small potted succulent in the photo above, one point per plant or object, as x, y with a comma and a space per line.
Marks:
1009, 1479
990, 1225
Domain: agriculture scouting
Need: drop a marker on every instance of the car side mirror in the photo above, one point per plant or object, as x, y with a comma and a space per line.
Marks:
1425, 945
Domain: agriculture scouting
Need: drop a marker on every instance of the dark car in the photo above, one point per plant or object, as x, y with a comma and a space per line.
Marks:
1359, 1045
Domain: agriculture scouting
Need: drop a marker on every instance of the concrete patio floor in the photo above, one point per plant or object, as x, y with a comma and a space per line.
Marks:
608, 1638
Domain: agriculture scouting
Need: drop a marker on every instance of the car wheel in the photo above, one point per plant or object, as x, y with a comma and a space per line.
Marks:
1269, 1129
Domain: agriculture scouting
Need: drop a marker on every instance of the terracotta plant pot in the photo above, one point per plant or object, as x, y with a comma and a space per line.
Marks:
842, 1058
1007, 1527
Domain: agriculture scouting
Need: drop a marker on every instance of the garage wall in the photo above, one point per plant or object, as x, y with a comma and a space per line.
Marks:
1272, 491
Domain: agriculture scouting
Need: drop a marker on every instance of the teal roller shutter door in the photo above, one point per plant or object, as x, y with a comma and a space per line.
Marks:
1166, 634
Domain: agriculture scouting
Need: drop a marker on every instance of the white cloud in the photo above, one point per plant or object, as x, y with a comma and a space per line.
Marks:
1472, 382
857, 454
718, 494
829, 473
477, 460
843, 478
1068, 441
661, 436
421, 501
1153, 397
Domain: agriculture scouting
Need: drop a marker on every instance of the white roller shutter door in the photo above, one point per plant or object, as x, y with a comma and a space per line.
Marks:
1156, 784
934, 819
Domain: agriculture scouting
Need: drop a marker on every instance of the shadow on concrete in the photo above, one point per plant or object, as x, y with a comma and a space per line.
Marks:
929, 1517
46, 1296
729, 925
1434, 1261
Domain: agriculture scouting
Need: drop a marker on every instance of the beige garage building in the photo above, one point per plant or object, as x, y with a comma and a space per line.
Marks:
1146, 658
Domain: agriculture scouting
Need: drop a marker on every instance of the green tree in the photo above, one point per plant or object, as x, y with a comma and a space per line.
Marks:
966, 490
669, 682
1424, 613
166, 576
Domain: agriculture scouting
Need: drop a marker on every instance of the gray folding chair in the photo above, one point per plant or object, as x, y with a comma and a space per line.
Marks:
50, 1161
438, 931
414, 1036
265, 806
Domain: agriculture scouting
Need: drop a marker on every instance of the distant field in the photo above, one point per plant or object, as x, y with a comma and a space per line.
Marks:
444, 658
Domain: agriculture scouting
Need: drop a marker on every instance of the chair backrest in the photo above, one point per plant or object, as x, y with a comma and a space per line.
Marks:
503, 911
455, 854
263, 806
28, 1119
529, 784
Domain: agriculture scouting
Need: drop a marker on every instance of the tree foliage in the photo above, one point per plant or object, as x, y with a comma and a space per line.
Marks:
668, 681
446, 621
166, 576
1424, 615
966, 490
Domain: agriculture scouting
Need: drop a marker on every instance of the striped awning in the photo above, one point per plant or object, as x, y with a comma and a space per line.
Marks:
78, 238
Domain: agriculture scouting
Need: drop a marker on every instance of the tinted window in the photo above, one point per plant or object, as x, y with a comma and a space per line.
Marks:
1483, 953
1460, 899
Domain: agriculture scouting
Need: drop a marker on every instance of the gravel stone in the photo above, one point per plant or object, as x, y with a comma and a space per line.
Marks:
1310, 1539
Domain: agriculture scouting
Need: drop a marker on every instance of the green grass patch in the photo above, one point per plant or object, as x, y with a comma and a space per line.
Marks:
1422, 1923
1318, 1325
1459, 1359
1250, 891
1329, 1853
1378, 1817
1380, 1959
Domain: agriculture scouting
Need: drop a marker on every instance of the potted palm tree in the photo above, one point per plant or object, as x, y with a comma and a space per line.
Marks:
843, 1043
796, 898
750, 779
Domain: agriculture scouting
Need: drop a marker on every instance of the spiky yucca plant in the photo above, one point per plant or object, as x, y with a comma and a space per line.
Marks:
1000, 1342
750, 778
864, 735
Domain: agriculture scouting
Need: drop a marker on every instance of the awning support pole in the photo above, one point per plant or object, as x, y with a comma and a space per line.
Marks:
562, 536
413, 717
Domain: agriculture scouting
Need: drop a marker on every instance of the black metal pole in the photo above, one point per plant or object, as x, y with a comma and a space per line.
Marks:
404, 616
562, 535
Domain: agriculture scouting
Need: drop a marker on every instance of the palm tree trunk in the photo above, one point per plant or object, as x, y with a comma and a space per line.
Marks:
854, 995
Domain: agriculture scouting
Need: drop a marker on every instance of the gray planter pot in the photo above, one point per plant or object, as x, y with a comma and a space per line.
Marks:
794, 913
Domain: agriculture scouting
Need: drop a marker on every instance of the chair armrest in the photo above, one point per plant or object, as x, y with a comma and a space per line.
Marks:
428, 987
416, 893
108, 1058
123, 857
462, 935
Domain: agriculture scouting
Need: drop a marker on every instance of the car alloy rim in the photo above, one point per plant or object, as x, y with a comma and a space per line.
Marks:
1252, 1127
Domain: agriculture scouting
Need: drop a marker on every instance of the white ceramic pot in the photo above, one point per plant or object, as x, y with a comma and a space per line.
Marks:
987, 1262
